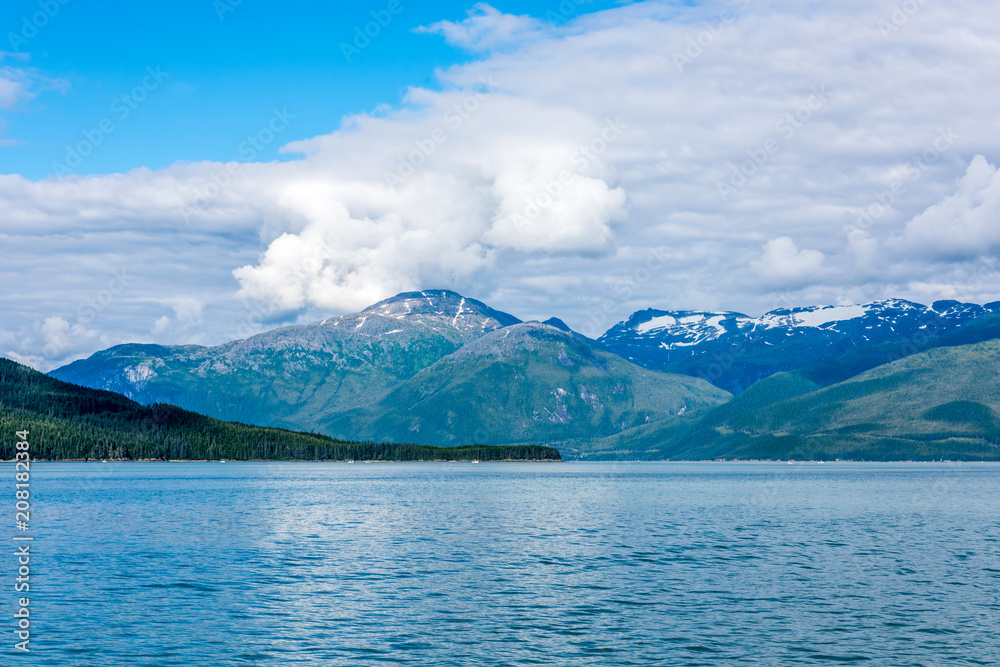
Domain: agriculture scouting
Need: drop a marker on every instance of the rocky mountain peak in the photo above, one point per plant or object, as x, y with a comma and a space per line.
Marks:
448, 307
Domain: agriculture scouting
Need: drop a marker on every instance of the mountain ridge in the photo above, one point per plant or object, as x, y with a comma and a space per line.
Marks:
436, 367
529, 382
733, 350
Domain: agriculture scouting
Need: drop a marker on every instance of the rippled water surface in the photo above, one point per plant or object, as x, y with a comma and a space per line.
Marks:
512, 564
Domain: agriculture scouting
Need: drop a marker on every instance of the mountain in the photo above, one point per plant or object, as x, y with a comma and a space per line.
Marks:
295, 376
65, 421
427, 367
943, 403
732, 350
558, 324
527, 382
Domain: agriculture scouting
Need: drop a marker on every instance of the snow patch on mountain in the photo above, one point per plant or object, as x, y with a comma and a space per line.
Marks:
704, 319
693, 328
458, 313
813, 317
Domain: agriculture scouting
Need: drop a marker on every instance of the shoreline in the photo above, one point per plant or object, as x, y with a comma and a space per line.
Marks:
609, 461
284, 461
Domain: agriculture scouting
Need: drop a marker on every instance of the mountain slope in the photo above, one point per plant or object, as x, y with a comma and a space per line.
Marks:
942, 403
733, 351
294, 376
70, 422
526, 383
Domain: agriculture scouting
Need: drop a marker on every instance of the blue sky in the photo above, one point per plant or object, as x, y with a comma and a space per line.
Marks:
739, 155
228, 64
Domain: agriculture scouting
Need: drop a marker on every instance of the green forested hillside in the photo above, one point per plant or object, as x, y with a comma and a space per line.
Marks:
940, 404
70, 422
524, 383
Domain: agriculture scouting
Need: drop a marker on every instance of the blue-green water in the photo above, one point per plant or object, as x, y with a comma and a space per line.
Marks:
510, 564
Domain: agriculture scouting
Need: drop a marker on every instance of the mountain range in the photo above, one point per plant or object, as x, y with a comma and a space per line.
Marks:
732, 350
437, 368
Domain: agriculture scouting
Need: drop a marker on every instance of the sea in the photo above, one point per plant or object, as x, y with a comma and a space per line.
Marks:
440, 564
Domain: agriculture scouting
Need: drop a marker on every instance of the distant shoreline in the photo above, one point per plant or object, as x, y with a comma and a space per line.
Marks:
287, 461
609, 461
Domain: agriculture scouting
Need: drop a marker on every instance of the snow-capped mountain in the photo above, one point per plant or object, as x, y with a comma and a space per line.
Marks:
733, 350
294, 374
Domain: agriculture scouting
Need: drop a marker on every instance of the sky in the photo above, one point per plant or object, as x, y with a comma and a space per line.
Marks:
196, 172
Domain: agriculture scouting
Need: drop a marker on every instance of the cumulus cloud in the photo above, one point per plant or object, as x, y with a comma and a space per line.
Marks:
486, 28
506, 182
52, 340
340, 262
782, 264
442, 187
963, 225
554, 212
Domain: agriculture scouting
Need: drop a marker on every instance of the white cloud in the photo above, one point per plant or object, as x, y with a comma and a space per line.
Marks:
53, 339
486, 28
14, 87
340, 262
19, 85
554, 212
187, 314
963, 225
433, 196
783, 265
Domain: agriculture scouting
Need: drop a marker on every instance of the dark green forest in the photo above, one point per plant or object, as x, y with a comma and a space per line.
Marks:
67, 422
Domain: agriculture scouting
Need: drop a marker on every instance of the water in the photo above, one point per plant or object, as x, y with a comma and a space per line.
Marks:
511, 564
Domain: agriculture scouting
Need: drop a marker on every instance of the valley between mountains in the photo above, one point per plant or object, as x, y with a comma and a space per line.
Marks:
889, 380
